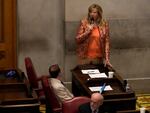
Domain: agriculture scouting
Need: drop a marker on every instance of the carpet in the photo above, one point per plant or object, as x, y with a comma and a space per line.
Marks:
42, 108
143, 100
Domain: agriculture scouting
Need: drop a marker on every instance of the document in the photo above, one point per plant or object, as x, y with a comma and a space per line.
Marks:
97, 75
98, 88
90, 71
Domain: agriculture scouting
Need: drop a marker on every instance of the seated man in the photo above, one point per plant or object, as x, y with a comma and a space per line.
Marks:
95, 106
60, 90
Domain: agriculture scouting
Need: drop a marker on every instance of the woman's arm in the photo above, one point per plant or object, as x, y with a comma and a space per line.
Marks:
83, 31
107, 45
107, 42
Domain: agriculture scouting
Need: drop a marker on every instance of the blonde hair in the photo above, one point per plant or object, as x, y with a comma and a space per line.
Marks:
99, 11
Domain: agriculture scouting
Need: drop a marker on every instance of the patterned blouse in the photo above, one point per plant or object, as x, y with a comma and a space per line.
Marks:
95, 44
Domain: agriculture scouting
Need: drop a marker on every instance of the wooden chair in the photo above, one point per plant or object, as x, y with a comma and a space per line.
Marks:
71, 106
52, 103
33, 79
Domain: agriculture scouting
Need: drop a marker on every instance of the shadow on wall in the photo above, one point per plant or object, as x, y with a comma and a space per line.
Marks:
124, 34
34, 44
71, 30
130, 33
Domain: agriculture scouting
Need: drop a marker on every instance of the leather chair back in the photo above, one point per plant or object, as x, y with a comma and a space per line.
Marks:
52, 102
32, 76
71, 106
34, 80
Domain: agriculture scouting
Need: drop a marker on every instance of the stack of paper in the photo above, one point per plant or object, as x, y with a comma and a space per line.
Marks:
98, 88
94, 73
90, 71
98, 75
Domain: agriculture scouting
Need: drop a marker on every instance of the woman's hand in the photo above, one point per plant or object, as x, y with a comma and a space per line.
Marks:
107, 63
90, 28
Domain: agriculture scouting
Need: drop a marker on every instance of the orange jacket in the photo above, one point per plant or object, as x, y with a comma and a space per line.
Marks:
82, 39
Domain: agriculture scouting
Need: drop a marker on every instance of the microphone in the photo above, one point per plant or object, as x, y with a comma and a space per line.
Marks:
92, 20
93, 23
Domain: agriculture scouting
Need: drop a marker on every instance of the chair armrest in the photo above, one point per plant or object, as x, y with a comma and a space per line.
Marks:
39, 92
57, 110
38, 89
40, 78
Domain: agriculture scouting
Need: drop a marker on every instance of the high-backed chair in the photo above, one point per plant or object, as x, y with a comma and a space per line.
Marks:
52, 103
71, 106
33, 79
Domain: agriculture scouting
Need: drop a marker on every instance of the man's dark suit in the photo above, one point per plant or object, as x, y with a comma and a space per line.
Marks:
85, 108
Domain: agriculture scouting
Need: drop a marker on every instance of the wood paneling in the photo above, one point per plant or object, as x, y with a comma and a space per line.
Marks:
8, 34
0, 20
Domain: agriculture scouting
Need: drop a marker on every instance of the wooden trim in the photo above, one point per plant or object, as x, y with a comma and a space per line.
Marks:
10, 8
8, 29
14, 31
1, 7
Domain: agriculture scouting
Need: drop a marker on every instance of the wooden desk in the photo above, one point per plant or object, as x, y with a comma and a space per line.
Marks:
117, 99
15, 94
132, 111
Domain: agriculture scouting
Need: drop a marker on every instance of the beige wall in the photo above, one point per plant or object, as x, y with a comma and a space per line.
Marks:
114, 9
41, 33
129, 33
47, 28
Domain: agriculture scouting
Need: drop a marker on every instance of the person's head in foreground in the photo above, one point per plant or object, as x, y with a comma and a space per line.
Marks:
96, 101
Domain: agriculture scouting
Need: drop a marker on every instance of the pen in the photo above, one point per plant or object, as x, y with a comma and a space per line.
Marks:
102, 88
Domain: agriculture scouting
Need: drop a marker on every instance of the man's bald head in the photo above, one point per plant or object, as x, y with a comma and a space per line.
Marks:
96, 100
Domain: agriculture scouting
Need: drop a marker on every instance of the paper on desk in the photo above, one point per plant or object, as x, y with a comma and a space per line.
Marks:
98, 75
88, 71
97, 88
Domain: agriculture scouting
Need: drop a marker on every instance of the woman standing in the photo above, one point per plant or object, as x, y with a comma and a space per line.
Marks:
93, 38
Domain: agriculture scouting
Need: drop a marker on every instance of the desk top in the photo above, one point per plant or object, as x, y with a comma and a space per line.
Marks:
16, 94
116, 82
15, 91
116, 99
11, 76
